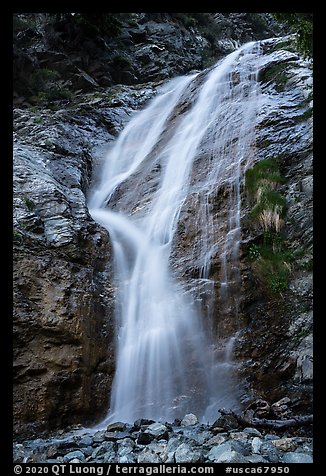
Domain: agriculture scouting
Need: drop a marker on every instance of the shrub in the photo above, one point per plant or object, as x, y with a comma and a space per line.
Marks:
209, 57
185, 18
29, 203
24, 25
270, 209
278, 283
276, 73
254, 252
308, 266
39, 78
52, 94
47, 86
121, 61
273, 262
304, 116
261, 183
17, 235
272, 257
302, 25
93, 24
266, 170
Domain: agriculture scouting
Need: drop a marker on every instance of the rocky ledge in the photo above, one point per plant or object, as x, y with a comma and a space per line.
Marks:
185, 441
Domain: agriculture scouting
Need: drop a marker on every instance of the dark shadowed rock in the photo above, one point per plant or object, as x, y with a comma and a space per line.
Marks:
117, 426
144, 438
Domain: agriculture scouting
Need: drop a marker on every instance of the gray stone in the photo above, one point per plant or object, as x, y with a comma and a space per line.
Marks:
85, 441
126, 443
87, 450
174, 442
125, 447
189, 419
305, 446
117, 426
19, 453
74, 454
144, 438
157, 430
102, 449
187, 454
54, 450
98, 437
256, 459
304, 364
115, 435
168, 455
303, 321
111, 457
307, 185
142, 423
128, 458
256, 445
160, 448
239, 436
269, 437
225, 422
216, 440
269, 451
231, 457
294, 457
197, 435
252, 431
303, 286
216, 452
226, 450
148, 456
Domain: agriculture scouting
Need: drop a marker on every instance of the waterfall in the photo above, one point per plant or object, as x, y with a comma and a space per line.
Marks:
192, 141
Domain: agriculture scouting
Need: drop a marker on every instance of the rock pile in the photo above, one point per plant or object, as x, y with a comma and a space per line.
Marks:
185, 441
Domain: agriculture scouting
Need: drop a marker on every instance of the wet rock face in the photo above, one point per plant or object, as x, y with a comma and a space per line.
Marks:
63, 290
275, 344
63, 302
274, 347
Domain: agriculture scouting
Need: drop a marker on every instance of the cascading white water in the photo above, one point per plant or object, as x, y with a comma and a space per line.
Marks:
164, 361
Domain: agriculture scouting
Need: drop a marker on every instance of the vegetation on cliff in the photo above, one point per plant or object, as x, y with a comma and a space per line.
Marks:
302, 25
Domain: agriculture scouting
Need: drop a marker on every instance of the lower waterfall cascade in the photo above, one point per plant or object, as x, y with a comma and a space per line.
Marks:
165, 365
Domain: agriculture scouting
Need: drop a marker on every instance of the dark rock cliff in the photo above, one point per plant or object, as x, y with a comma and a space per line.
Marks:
63, 289
57, 55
